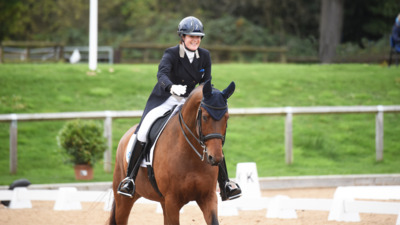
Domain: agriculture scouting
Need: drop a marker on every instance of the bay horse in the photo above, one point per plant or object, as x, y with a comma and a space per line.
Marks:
185, 161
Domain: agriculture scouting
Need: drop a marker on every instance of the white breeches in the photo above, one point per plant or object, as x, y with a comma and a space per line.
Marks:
156, 113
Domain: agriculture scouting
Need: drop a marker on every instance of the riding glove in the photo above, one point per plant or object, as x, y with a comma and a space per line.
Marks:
178, 90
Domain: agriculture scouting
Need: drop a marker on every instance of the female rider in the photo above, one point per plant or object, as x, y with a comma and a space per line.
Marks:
181, 68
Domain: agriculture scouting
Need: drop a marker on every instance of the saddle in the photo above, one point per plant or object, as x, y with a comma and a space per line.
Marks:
154, 132
156, 128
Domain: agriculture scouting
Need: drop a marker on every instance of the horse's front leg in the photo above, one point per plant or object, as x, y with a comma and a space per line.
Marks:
122, 208
171, 210
209, 207
164, 214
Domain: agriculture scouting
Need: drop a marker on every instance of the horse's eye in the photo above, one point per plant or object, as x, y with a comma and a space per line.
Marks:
205, 118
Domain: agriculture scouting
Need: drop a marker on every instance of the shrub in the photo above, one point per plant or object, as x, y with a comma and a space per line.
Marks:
82, 141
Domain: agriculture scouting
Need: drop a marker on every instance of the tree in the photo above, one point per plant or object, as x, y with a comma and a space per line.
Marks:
371, 21
330, 29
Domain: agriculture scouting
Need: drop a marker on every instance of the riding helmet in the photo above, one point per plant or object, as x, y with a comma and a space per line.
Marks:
191, 26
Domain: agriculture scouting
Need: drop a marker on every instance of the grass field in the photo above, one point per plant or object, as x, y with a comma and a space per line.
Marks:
323, 144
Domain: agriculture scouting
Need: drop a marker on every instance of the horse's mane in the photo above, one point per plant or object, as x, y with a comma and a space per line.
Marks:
197, 93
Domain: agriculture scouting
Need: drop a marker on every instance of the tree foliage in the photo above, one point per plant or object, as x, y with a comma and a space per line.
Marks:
372, 21
233, 22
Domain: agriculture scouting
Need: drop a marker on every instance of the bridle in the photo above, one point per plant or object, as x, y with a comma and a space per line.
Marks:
202, 138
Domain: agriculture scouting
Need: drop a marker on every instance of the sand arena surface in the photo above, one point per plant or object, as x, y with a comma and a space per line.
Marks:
92, 213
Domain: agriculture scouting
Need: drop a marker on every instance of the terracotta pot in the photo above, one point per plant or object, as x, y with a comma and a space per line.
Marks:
83, 172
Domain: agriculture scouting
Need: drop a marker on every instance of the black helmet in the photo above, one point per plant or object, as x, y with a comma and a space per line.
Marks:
191, 26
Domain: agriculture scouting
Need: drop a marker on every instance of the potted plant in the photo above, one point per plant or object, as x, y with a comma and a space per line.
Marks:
83, 143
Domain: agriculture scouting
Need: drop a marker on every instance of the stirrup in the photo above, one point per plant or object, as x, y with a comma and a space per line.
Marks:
230, 193
127, 180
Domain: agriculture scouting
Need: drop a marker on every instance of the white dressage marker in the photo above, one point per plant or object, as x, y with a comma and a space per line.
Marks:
66, 199
345, 208
19, 199
247, 178
277, 209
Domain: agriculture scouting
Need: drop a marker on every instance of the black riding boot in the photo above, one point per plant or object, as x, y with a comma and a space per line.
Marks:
228, 189
127, 185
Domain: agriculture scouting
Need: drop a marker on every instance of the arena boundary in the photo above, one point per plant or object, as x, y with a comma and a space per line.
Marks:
266, 183
343, 207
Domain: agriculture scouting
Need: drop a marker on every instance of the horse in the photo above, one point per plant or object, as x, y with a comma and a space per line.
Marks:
183, 173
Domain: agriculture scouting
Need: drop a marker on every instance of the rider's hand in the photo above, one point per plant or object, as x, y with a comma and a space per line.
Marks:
178, 90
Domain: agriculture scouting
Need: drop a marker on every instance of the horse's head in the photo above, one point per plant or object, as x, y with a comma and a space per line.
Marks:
212, 120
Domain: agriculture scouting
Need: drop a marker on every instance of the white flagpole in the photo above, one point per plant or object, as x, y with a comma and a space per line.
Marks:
93, 35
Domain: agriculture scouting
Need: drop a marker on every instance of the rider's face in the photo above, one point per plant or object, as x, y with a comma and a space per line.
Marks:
192, 42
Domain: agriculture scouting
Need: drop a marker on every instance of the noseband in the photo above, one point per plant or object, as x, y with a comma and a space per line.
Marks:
202, 138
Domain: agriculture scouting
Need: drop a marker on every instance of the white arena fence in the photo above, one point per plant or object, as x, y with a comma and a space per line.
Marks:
343, 207
108, 116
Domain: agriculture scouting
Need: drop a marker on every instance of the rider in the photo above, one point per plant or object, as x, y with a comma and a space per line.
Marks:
396, 33
181, 68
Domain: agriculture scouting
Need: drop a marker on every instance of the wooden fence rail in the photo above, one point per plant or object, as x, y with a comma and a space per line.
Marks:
108, 116
217, 51
55, 54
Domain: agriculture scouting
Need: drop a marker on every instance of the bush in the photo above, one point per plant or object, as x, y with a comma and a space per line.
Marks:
82, 141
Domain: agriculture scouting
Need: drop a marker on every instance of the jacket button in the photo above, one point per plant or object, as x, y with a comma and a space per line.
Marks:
183, 81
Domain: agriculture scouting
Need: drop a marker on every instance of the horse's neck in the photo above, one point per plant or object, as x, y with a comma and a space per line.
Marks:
189, 112
188, 123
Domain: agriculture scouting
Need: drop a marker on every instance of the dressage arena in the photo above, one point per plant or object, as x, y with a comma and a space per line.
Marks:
93, 213
313, 206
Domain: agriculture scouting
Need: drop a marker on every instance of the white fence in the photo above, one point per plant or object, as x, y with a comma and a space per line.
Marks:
66, 198
343, 207
108, 116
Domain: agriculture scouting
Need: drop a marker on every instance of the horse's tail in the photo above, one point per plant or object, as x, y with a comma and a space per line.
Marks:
111, 220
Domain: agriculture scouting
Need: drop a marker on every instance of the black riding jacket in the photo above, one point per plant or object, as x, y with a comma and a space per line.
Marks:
173, 69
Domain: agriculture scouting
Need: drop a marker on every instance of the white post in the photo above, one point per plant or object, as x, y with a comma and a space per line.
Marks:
108, 135
289, 136
13, 144
379, 134
93, 35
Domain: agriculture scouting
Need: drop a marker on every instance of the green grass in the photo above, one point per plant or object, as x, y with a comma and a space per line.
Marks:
323, 144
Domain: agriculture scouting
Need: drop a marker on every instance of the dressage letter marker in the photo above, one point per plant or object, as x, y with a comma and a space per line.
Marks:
247, 178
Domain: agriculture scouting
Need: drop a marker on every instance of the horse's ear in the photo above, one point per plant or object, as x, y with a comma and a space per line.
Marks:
229, 90
207, 89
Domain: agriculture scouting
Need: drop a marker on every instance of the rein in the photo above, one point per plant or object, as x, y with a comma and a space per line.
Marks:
202, 138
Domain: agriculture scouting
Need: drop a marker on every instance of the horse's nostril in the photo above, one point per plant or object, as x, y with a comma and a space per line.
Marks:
212, 160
